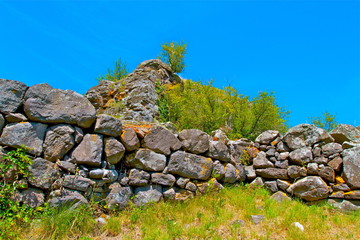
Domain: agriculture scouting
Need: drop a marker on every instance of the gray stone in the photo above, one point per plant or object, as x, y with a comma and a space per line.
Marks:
341, 187
33, 197
191, 187
282, 164
15, 117
169, 194
146, 159
130, 140
344, 205
317, 152
351, 167
280, 196
310, 188
250, 172
67, 166
61, 198
230, 174
147, 195
283, 156
347, 145
257, 182
271, 186
260, 161
194, 141
272, 173
79, 134
218, 171
43, 173
46, 104
161, 140
267, 137
58, 141
181, 182
257, 218
89, 151
11, 95
301, 156
29, 134
282, 147
190, 165
238, 149
163, 179
355, 194
313, 169
218, 150
327, 173
219, 135
138, 178
321, 160
108, 125
305, 135
345, 132
283, 185
2, 122
96, 173
110, 175
240, 173
331, 148
77, 182
271, 152
296, 172
119, 197
114, 150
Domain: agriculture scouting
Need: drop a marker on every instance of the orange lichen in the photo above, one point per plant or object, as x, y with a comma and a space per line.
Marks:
340, 179
215, 139
142, 129
348, 193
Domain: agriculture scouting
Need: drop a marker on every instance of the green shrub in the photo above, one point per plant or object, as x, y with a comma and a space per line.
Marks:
173, 54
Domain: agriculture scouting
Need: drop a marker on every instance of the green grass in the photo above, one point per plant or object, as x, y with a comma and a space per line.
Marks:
207, 217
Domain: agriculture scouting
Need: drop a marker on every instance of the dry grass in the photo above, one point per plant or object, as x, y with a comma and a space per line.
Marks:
212, 216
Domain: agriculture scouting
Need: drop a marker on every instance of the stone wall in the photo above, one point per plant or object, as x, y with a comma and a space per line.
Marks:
79, 155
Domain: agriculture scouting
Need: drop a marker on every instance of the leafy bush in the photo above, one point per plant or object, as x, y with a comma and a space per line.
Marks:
326, 121
173, 54
120, 71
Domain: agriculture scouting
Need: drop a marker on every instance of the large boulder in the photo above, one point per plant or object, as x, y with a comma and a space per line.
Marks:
345, 132
29, 134
190, 165
310, 188
305, 135
108, 125
267, 137
146, 159
161, 140
351, 167
89, 151
48, 105
43, 173
194, 141
58, 141
11, 95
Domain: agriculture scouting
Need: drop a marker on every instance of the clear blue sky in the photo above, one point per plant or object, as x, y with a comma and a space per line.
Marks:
306, 51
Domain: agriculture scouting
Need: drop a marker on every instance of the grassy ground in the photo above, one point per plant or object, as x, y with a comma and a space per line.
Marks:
213, 216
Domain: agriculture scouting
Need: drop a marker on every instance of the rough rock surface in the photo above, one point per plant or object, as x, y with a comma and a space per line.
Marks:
58, 141
89, 151
146, 159
33, 197
129, 139
11, 95
77, 182
138, 178
147, 194
351, 165
190, 165
272, 173
114, 150
260, 161
310, 188
119, 197
43, 173
163, 179
194, 141
301, 156
161, 140
29, 134
60, 198
48, 105
345, 132
267, 137
218, 150
108, 125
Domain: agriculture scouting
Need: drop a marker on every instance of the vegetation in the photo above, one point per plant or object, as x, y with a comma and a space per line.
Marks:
202, 106
212, 216
173, 54
120, 71
327, 121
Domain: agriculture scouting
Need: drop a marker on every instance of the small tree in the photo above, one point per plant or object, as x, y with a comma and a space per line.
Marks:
173, 54
327, 121
120, 71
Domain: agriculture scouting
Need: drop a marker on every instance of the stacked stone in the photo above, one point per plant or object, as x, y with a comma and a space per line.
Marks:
309, 162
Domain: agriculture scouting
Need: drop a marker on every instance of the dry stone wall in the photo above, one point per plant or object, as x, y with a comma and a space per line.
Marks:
80, 156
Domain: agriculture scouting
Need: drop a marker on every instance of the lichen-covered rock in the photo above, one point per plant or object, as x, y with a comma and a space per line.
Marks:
267, 137
114, 150
351, 167
89, 151
257, 182
190, 165
280, 196
310, 188
271, 186
336, 164
147, 194
238, 149
345, 132
194, 141
138, 178
283, 185
78, 183
344, 205
130, 140
146, 159
163, 179
305, 135
181, 182
58, 141
218, 171
355, 195
32, 197
272, 173
48, 105
230, 174
296, 172
43, 173
67, 198
119, 197
169, 194
327, 173
29, 134
331, 148
218, 150
219, 135
67, 166
301, 156
11, 95
108, 125
161, 140
260, 161
250, 172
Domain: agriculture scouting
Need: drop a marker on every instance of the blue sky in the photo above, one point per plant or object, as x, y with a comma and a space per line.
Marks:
306, 51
